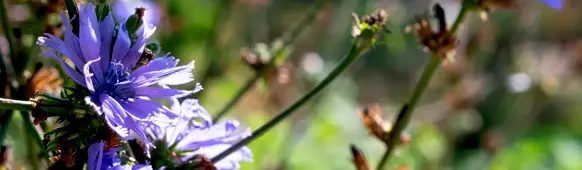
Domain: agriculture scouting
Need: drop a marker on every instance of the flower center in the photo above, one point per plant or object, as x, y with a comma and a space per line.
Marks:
116, 81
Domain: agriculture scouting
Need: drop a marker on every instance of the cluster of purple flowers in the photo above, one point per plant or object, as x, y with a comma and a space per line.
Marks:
103, 54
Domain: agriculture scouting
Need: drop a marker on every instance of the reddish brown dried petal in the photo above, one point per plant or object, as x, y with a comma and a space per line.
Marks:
371, 116
359, 159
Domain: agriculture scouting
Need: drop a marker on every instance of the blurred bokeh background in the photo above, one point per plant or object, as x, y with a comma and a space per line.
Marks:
511, 100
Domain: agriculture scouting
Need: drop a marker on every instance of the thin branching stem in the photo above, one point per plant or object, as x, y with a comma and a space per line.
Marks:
352, 55
406, 111
288, 40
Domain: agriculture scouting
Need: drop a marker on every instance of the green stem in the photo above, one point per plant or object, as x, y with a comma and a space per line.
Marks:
407, 109
352, 55
239, 94
10, 104
288, 40
459, 20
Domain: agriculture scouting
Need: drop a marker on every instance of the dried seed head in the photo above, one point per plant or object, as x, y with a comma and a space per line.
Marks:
440, 43
253, 59
371, 116
380, 17
359, 159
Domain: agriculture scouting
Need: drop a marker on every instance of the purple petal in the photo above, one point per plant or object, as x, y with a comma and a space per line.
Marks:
145, 110
156, 64
225, 132
89, 75
95, 156
76, 76
153, 77
161, 93
231, 162
93, 101
143, 33
556, 4
106, 28
89, 36
115, 115
121, 46
141, 167
72, 40
61, 47
191, 109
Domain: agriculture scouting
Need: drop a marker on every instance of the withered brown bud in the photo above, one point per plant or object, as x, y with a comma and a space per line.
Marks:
380, 17
44, 79
252, 59
146, 56
359, 159
440, 43
139, 12
371, 117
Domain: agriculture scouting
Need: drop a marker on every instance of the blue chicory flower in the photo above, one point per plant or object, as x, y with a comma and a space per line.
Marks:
556, 4
126, 8
103, 66
101, 159
196, 133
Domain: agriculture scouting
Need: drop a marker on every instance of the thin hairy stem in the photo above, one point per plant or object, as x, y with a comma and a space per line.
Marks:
10, 104
352, 55
288, 40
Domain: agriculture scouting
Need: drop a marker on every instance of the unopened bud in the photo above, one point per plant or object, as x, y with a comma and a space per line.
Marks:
134, 21
102, 10
359, 159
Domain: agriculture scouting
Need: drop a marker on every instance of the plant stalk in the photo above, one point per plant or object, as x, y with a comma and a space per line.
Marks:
10, 104
406, 111
352, 55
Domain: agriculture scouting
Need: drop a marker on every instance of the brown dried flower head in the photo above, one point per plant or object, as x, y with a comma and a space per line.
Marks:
440, 42
380, 17
371, 116
359, 159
